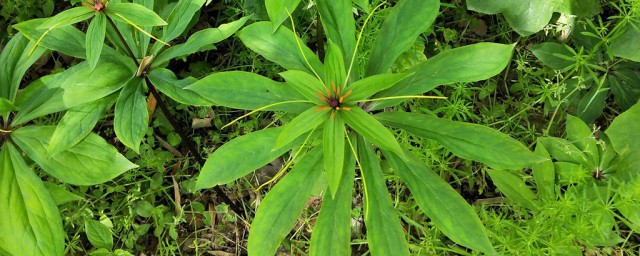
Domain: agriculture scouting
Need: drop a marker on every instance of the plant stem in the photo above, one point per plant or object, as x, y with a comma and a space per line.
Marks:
188, 143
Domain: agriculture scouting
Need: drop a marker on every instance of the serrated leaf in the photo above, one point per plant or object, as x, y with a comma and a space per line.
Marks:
93, 160
280, 209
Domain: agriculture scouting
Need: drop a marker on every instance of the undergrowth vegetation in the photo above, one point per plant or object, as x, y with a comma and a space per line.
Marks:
324, 127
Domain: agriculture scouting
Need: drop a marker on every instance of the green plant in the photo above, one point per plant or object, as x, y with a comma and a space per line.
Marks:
333, 128
30, 223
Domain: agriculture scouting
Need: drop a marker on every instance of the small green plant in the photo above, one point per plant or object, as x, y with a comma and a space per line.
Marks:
333, 129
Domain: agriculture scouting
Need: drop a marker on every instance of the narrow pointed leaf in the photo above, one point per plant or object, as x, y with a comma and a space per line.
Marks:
332, 232
281, 208
300, 125
563, 150
61, 195
30, 223
93, 160
544, 174
384, 230
307, 85
333, 151
469, 141
6, 106
135, 13
445, 207
167, 83
231, 161
407, 20
339, 26
131, 115
14, 62
68, 40
199, 40
77, 123
281, 47
95, 39
367, 87
66, 18
579, 133
460, 65
180, 18
335, 70
279, 11
244, 90
371, 129
514, 188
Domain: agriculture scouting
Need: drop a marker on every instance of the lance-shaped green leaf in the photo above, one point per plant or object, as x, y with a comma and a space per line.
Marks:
75, 86
563, 150
579, 133
544, 174
142, 34
592, 104
469, 141
14, 62
180, 18
230, 161
244, 90
333, 151
300, 125
332, 231
68, 40
335, 71
398, 33
199, 40
371, 129
281, 47
6, 106
135, 13
93, 160
445, 207
30, 223
306, 84
367, 87
279, 11
131, 115
77, 123
281, 208
625, 138
461, 65
167, 82
384, 230
95, 39
339, 25
61, 195
514, 188
66, 18
364, 5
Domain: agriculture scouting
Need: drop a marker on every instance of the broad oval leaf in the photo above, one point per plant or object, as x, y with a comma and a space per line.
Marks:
469, 141
75, 86
199, 40
384, 230
230, 161
514, 188
281, 47
371, 129
98, 234
167, 83
332, 231
244, 90
279, 11
131, 116
95, 39
281, 208
460, 65
407, 20
30, 223
92, 161
627, 45
180, 18
135, 13
333, 151
444, 206
300, 125
77, 123
625, 137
